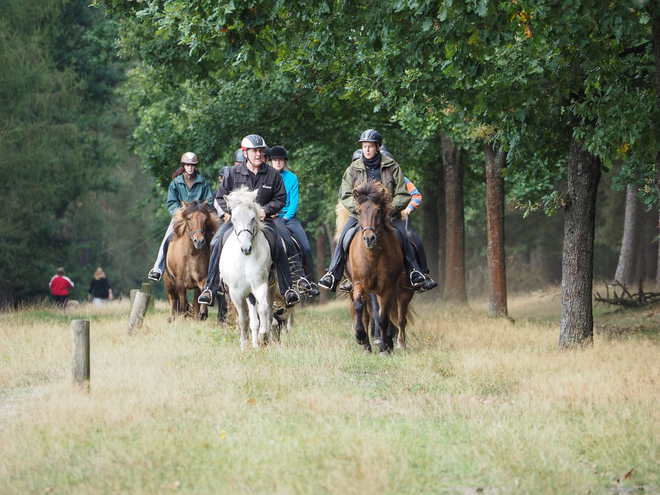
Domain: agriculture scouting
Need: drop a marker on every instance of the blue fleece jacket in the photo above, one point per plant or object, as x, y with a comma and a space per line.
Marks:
291, 186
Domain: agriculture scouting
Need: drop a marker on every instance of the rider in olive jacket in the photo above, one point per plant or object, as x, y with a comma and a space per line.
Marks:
386, 170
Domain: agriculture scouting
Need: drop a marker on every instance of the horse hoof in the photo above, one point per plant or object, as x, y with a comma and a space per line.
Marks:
170, 319
384, 353
366, 349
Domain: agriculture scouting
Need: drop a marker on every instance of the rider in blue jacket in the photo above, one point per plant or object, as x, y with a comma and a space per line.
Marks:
279, 160
187, 185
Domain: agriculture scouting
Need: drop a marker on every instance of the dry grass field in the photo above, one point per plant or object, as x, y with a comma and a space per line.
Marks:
474, 406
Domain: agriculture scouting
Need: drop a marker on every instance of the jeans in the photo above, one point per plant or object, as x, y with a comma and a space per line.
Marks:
162, 251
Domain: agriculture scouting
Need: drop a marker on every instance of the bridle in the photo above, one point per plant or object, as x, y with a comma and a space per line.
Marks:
245, 230
375, 231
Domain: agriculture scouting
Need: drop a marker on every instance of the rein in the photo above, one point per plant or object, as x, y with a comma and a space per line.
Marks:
375, 231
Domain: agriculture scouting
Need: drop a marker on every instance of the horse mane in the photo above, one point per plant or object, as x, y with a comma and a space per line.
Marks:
247, 197
212, 221
374, 192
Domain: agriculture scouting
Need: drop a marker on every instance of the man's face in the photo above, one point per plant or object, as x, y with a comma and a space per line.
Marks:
369, 150
255, 156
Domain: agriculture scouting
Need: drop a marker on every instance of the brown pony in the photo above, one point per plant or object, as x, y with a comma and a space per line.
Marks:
375, 265
188, 257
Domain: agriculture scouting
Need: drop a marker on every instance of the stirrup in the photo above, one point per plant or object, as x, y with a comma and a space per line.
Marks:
346, 286
206, 297
418, 284
324, 284
155, 274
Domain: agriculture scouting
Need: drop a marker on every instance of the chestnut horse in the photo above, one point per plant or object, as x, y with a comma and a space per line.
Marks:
375, 265
188, 257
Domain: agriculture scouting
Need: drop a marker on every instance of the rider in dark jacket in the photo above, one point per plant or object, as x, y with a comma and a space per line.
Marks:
271, 195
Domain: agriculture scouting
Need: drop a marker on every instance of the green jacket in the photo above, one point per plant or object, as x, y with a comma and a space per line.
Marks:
392, 178
178, 192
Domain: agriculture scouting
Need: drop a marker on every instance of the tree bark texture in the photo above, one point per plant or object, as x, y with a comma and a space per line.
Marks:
626, 270
497, 303
320, 263
655, 29
650, 247
455, 284
578, 253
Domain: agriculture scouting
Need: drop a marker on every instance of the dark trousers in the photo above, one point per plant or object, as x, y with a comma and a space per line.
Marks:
277, 224
296, 229
276, 252
419, 249
60, 300
339, 257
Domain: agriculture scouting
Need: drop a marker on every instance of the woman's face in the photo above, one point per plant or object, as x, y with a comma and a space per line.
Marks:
278, 164
190, 168
369, 150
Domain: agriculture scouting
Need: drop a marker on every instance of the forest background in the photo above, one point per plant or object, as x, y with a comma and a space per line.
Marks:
98, 103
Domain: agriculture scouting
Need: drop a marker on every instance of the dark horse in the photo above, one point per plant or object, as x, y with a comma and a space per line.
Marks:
188, 256
375, 265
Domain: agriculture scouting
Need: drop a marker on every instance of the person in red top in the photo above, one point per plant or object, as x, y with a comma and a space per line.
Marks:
59, 286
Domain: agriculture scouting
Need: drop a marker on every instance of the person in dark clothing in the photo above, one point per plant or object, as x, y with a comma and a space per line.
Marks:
254, 174
99, 288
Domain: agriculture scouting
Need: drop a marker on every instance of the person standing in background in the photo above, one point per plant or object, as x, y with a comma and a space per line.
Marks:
99, 288
59, 287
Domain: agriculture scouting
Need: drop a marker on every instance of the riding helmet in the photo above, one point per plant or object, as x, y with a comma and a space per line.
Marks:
371, 136
239, 156
189, 157
278, 152
224, 171
357, 154
252, 141
385, 151
267, 151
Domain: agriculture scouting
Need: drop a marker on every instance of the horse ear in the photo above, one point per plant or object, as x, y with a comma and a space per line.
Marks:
356, 194
185, 205
230, 203
253, 195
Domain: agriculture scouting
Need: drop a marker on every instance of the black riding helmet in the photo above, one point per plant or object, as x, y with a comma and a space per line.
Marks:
224, 171
239, 156
371, 136
357, 154
267, 151
278, 152
384, 151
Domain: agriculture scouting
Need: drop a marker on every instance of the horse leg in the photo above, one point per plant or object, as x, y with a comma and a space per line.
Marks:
376, 334
360, 333
242, 310
403, 302
183, 299
386, 343
254, 320
222, 308
200, 311
265, 311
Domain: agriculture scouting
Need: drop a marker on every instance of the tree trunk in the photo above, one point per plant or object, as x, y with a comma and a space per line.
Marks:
626, 269
320, 263
455, 286
497, 305
655, 29
578, 254
651, 249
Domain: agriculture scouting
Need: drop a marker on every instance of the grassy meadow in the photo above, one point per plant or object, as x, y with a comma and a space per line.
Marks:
473, 406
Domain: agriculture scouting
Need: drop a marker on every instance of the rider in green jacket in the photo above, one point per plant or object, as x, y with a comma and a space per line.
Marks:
187, 185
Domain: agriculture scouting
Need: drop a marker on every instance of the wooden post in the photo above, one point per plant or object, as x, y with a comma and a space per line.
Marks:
80, 352
133, 292
138, 311
146, 288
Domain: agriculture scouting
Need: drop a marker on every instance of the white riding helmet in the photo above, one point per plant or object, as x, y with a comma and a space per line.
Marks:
252, 141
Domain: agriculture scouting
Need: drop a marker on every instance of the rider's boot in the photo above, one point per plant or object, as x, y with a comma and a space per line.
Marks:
155, 274
416, 278
291, 298
428, 284
206, 297
314, 290
328, 282
346, 286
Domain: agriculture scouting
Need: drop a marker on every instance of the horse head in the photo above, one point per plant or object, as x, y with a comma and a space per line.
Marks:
244, 216
195, 219
374, 205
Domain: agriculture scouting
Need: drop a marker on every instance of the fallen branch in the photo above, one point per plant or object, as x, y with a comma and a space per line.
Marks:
626, 299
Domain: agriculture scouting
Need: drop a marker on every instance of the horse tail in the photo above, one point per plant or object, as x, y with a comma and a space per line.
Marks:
340, 221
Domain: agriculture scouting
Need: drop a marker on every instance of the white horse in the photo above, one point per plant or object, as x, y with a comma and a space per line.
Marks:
244, 266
